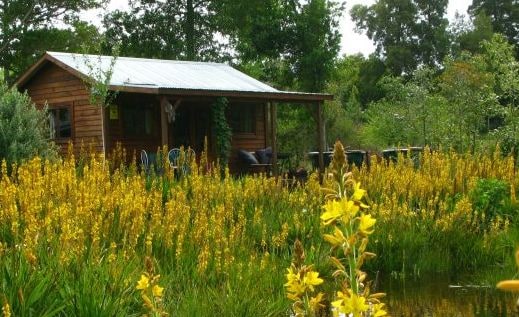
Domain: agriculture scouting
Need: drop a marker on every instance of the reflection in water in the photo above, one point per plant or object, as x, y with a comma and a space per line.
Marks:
434, 298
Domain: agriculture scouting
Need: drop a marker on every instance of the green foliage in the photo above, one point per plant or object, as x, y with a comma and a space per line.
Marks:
315, 44
98, 79
490, 199
27, 28
468, 88
469, 35
30, 290
504, 15
184, 30
297, 131
407, 33
222, 131
411, 113
24, 130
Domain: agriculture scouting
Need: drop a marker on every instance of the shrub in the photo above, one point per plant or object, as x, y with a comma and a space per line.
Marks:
491, 199
24, 130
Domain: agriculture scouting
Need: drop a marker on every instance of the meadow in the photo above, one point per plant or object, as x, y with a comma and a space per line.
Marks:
91, 237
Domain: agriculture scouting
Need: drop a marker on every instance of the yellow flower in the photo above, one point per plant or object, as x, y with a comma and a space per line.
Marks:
358, 192
294, 284
312, 279
509, 285
366, 224
378, 310
335, 210
6, 310
157, 291
332, 212
143, 283
350, 304
336, 239
297, 286
315, 302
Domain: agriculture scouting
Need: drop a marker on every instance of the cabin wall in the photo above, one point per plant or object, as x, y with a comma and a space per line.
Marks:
56, 87
249, 141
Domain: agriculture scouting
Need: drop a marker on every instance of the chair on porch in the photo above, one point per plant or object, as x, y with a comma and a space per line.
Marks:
144, 161
149, 161
180, 161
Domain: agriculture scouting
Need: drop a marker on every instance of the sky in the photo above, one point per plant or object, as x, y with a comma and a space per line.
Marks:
352, 43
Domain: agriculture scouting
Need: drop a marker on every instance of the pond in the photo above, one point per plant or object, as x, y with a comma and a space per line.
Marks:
443, 296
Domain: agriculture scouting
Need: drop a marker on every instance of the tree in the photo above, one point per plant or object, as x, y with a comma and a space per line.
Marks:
24, 130
504, 15
411, 113
21, 20
469, 35
81, 36
315, 43
468, 88
258, 29
407, 33
498, 55
183, 29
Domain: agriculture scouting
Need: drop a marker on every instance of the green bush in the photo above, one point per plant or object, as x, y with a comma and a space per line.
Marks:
24, 131
491, 198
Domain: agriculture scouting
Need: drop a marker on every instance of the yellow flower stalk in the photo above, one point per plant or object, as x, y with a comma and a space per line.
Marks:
349, 240
300, 285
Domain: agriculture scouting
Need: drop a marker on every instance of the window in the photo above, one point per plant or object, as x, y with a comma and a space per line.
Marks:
242, 118
60, 123
140, 121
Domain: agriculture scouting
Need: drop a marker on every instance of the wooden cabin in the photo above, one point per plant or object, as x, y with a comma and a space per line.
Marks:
158, 102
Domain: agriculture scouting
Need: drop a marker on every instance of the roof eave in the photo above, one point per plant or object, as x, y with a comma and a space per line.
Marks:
272, 96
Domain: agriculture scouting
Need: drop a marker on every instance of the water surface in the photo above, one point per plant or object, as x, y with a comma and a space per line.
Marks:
443, 296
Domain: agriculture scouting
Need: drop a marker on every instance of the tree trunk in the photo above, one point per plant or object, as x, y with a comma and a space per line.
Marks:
190, 31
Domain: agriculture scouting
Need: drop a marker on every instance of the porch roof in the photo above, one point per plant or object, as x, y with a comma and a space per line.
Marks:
169, 77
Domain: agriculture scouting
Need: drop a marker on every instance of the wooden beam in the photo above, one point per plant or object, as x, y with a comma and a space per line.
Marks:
273, 126
286, 96
164, 121
321, 137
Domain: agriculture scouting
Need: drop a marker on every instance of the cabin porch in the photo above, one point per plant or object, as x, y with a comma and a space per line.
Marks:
139, 121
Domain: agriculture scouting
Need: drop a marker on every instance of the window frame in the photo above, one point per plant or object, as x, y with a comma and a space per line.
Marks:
235, 106
59, 106
155, 128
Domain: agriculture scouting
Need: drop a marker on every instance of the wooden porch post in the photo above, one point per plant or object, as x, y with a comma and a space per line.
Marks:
164, 121
273, 126
321, 137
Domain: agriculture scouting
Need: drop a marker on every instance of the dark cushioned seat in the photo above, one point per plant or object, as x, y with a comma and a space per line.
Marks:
264, 155
247, 157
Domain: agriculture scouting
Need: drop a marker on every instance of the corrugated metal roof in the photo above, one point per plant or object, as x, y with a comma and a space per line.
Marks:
156, 73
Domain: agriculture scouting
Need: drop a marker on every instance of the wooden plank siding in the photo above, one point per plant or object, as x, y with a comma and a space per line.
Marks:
56, 87
247, 141
115, 127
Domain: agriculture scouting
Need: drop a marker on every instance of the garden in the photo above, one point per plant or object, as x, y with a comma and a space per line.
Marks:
87, 236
